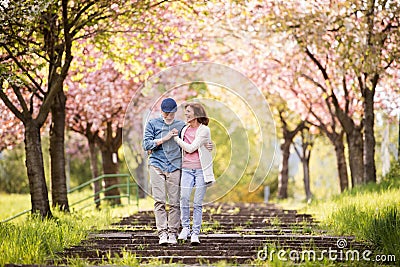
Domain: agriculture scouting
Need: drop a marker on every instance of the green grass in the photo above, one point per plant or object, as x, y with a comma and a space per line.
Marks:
34, 240
31, 240
11, 204
370, 213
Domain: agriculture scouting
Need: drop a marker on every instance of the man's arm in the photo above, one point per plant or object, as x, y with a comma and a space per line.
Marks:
149, 137
149, 140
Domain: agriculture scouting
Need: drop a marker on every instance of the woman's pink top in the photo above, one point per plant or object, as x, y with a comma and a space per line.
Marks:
191, 160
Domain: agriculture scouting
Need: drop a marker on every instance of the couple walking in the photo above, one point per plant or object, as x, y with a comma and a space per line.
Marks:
180, 160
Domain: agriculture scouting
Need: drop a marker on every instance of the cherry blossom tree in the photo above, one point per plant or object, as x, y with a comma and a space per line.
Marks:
351, 46
268, 59
104, 82
11, 130
339, 53
36, 41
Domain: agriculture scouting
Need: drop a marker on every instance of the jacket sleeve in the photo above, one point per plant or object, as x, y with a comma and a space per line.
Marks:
149, 139
200, 139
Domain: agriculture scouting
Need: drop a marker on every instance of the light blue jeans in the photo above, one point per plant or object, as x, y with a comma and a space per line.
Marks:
192, 178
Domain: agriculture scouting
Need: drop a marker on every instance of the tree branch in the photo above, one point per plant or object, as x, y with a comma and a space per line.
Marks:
20, 66
314, 82
20, 98
316, 62
11, 106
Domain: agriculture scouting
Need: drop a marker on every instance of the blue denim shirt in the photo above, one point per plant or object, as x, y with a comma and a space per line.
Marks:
168, 156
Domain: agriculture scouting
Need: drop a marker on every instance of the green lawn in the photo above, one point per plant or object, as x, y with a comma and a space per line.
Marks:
371, 213
11, 204
28, 240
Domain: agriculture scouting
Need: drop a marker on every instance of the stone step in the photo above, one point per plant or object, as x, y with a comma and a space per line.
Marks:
234, 233
166, 260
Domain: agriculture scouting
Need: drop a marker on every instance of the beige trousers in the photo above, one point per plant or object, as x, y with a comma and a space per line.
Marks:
166, 185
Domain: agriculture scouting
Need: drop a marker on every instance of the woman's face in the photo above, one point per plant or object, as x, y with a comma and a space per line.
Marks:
189, 114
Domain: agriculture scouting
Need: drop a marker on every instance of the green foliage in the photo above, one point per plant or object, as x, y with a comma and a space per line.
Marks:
127, 259
370, 213
392, 179
13, 177
34, 240
384, 230
79, 170
199, 87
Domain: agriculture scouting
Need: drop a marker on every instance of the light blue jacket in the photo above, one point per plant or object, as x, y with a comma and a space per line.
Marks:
168, 156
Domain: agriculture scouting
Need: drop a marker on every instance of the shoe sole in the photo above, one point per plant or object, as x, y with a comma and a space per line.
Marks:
194, 243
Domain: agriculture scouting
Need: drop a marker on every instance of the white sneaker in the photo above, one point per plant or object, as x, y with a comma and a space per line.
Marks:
163, 239
194, 239
184, 234
172, 239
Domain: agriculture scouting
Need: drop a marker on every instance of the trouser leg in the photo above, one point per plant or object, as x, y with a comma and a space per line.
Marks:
173, 193
157, 179
200, 191
187, 183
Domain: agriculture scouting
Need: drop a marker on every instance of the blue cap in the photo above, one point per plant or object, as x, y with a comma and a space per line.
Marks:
168, 105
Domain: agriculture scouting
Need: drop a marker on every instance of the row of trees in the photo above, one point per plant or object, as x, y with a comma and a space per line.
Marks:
324, 66
38, 41
328, 65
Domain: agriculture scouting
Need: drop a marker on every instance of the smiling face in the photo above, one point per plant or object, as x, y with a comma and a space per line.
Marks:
195, 113
168, 116
189, 114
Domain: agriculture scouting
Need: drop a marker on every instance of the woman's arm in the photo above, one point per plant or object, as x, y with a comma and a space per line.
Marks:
198, 141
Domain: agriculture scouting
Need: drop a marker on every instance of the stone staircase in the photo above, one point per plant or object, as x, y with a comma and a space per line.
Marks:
231, 233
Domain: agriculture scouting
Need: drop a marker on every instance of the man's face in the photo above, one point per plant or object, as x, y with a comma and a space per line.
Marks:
168, 116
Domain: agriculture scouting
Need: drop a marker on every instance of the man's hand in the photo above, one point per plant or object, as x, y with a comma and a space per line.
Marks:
172, 133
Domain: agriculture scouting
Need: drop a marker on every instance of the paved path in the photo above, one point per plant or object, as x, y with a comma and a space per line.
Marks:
233, 233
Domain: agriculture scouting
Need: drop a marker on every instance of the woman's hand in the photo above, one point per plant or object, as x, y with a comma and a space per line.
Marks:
167, 137
209, 145
174, 132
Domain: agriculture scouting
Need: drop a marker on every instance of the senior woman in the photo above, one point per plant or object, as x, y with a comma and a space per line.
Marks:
197, 168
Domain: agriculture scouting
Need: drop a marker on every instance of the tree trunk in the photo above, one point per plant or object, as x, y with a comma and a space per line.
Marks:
355, 148
369, 141
398, 144
35, 169
95, 171
306, 178
141, 178
110, 166
59, 191
283, 178
305, 159
341, 164
304, 155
